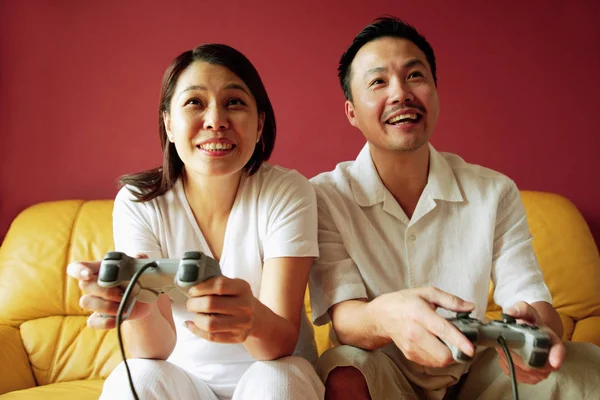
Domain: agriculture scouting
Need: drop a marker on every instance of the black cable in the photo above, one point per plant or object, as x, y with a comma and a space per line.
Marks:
511, 366
119, 321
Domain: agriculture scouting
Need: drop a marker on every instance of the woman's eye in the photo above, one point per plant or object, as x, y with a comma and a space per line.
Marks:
193, 102
235, 102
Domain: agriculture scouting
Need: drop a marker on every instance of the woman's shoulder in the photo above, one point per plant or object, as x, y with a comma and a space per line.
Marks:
130, 194
280, 178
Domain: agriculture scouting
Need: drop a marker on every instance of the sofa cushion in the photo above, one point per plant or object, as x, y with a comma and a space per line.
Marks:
77, 390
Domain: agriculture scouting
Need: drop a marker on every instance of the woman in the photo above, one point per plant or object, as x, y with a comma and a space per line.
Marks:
214, 194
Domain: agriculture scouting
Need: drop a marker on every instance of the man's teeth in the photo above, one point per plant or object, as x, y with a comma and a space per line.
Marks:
401, 117
216, 146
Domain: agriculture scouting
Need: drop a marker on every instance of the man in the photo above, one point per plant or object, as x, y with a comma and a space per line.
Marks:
409, 236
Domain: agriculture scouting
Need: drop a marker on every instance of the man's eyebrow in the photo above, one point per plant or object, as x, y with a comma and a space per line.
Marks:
408, 64
414, 62
236, 86
375, 70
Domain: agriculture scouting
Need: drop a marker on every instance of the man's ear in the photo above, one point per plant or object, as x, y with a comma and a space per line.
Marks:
167, 122
261, 125
349, 108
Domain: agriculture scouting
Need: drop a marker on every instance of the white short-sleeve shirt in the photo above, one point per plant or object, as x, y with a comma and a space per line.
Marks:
274, 215
469, 226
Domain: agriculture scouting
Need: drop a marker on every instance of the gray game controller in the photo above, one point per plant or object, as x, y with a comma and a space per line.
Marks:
531, 343
170, 276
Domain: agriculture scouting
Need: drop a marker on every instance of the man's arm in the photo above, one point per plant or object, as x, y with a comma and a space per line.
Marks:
407, 318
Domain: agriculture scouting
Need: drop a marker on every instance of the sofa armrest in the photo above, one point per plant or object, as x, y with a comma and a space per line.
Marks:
587, 330
15, 369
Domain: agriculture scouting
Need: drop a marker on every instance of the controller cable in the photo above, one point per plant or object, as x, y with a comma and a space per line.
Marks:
119, 321
511, 366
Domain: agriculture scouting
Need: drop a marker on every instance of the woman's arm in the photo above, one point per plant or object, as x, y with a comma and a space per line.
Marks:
278, 309
153, 335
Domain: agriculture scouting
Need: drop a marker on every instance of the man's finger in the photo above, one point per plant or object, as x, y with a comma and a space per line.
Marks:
446, 300
557, 353
444, 330
525, 312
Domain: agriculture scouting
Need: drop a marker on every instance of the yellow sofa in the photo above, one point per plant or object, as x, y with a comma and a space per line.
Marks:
46, 350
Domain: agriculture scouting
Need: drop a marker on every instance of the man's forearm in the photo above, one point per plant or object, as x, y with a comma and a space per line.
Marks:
355, 323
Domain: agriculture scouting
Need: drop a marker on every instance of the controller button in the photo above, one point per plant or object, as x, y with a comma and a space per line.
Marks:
188, 273
541, 342
508, 319
192, 255
109, 273
460, 356
113, 255
472, 336
538, 360
462, 315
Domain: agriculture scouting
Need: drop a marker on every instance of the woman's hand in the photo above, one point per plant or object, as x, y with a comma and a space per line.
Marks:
103, 302
224, 308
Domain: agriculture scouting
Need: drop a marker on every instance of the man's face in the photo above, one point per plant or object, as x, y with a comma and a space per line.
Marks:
394, 98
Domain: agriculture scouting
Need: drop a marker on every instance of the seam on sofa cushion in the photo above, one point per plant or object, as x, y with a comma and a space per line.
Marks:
69, 253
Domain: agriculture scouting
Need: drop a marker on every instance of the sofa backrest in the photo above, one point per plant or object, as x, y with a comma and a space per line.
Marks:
42, 301
38, 297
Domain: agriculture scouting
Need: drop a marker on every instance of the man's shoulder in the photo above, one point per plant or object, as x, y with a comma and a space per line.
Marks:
337, 179
470, 174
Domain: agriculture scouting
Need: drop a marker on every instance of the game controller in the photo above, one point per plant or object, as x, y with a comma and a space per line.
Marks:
170, 276
529, 342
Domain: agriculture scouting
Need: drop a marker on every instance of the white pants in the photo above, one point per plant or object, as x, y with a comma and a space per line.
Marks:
286, 378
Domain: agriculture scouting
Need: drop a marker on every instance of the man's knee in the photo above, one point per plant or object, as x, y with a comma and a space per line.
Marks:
346, 383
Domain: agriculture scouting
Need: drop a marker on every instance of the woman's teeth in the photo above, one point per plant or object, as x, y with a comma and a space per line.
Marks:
212, 146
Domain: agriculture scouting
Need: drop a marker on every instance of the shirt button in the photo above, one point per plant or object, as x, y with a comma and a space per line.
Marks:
412, 238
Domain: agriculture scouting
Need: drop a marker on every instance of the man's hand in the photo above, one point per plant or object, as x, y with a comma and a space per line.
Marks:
525, 313
408, 318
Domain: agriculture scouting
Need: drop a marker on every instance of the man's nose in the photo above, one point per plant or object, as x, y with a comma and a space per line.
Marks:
400, 92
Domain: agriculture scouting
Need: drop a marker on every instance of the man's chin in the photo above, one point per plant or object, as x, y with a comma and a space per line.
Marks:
408, 146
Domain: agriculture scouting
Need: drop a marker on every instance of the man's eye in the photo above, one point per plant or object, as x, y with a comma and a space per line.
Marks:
377, 81
415, 74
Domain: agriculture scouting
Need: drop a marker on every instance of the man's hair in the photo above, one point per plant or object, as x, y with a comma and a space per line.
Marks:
382, 27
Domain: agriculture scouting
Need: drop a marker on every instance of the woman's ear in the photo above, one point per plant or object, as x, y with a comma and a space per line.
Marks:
261, 125
167, 122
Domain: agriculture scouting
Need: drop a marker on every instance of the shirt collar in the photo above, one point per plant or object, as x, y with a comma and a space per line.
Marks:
368, 189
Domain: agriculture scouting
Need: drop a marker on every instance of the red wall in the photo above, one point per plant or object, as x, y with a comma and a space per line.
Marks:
79, 82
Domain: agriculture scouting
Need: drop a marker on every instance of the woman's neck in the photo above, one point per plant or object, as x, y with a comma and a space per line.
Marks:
213, 195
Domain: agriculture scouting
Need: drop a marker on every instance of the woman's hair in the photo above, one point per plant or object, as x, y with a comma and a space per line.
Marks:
155, 182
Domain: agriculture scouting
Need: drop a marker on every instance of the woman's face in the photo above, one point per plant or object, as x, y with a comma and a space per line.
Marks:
213, 120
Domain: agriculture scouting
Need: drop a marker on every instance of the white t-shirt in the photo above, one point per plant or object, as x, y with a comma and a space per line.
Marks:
469, 226
273, 215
